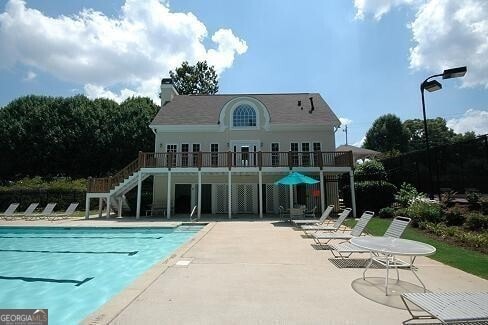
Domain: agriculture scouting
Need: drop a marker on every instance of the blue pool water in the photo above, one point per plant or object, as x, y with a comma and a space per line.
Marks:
73, 271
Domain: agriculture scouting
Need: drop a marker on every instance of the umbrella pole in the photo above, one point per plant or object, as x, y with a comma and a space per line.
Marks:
291, 197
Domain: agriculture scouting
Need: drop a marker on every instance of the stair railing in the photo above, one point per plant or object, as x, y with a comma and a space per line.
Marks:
192, 213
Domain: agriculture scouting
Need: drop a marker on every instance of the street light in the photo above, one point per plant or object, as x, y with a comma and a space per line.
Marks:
431, 86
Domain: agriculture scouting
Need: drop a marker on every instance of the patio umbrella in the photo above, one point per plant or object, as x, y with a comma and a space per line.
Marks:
294, 179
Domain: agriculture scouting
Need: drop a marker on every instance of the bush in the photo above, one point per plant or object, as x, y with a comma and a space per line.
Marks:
447, 199
484, 205
372, 170
387, 213
421, 211
406, 195
466, 238
476, 222
454, 217
372, 195
472, 197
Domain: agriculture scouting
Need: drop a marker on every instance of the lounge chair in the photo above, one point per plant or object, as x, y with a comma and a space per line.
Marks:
48, 210
337, 224
311, 213
395, 230
29, 211
8, 214
66, 214
355, 232
320, 221
449, 307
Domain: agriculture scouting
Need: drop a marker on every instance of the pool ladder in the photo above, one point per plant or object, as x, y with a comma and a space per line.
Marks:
193, 213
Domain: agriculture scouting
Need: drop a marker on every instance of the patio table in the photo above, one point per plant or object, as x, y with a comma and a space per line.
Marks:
385, 249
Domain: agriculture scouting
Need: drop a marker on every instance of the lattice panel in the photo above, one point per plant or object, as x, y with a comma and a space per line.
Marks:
249, 193
241, 198
221, 198
283, 196
313, 196
270, 199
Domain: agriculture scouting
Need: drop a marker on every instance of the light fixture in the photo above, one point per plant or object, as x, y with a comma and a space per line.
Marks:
432, 85
454, 73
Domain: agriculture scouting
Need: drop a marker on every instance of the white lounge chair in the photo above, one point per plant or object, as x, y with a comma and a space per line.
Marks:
355, 232
8, 214
337, 224
449, 307
29, 211
48, 210
395, 230
66, 214
320, 221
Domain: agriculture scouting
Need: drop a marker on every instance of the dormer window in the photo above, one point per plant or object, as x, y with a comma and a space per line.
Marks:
244, 116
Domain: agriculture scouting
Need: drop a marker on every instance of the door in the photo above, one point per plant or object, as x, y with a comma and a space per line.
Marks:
206, 198
245, 153
182, 198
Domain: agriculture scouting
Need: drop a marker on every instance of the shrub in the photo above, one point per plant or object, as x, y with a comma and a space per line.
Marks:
372, 170
447, 199
421, 211
406, 195
466, 238
484, 205
472, 197
387, 213
454, 217
476, 222
371, 195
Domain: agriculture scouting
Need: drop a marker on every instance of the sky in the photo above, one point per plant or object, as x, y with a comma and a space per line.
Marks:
365, 57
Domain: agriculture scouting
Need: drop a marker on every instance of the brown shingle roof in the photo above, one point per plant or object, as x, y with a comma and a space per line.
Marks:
283, 109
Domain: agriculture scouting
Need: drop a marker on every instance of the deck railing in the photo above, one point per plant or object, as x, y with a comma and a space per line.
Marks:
228, 159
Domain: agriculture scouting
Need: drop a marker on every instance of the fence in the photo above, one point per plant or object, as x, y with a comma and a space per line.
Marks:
460, 167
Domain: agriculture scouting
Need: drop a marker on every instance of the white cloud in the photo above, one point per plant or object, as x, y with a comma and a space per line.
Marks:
345, 120
31, 75
360, 142
445, 33
378, 8
450, 33
132, 51
472, 120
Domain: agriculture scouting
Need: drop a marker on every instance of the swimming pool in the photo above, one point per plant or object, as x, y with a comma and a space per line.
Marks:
73, 271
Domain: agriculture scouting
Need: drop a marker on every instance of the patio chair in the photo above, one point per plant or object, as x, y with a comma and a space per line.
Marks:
355, 232
29, 211
395, 230
48, 210
297, 213
8, 214
336, 226
311, 213
66, 214
320, 221
449, 307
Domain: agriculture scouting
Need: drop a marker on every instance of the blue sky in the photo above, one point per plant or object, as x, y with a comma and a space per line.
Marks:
366, 58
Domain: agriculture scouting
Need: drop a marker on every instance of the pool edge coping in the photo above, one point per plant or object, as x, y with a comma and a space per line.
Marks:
109, 311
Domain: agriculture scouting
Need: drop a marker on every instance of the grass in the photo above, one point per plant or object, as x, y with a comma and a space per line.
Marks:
464, 259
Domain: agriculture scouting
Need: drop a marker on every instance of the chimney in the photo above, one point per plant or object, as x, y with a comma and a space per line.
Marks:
168, 91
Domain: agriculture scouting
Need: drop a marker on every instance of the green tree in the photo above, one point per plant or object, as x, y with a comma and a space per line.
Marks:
387, 135
439, 133
195, 79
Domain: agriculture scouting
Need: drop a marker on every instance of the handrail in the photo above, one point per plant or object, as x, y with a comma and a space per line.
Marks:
228, 159
192, 213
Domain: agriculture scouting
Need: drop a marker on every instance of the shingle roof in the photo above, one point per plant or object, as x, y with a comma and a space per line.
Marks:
283, 109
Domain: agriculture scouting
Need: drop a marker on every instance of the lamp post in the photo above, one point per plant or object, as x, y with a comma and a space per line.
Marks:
430, 86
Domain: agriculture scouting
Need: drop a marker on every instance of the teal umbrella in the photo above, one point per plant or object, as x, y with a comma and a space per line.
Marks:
294, 179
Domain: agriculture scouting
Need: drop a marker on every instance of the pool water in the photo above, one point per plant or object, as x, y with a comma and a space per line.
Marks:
73, 271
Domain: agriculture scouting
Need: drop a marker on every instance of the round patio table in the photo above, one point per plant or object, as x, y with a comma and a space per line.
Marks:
385, 249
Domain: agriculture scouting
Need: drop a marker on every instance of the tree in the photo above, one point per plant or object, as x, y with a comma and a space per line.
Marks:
387, 135
195, 79
439, 133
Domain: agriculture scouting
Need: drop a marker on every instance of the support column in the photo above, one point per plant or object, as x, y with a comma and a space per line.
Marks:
139, 190
322, 192
168, 197
260, 189
199, 196
119, 208
108, 207
229, 191
100, 207
291, 197
87, 207
353, 193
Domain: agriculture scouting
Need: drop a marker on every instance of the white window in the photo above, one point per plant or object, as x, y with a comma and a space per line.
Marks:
244, 116
185, 147
171, 148
195, 150
317, 152
294, 153
275, 156
214, 149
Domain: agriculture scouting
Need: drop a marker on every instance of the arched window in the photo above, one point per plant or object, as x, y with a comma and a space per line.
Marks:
244, 115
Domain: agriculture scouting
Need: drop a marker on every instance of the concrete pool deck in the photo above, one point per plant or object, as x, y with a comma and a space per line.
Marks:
261, 272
